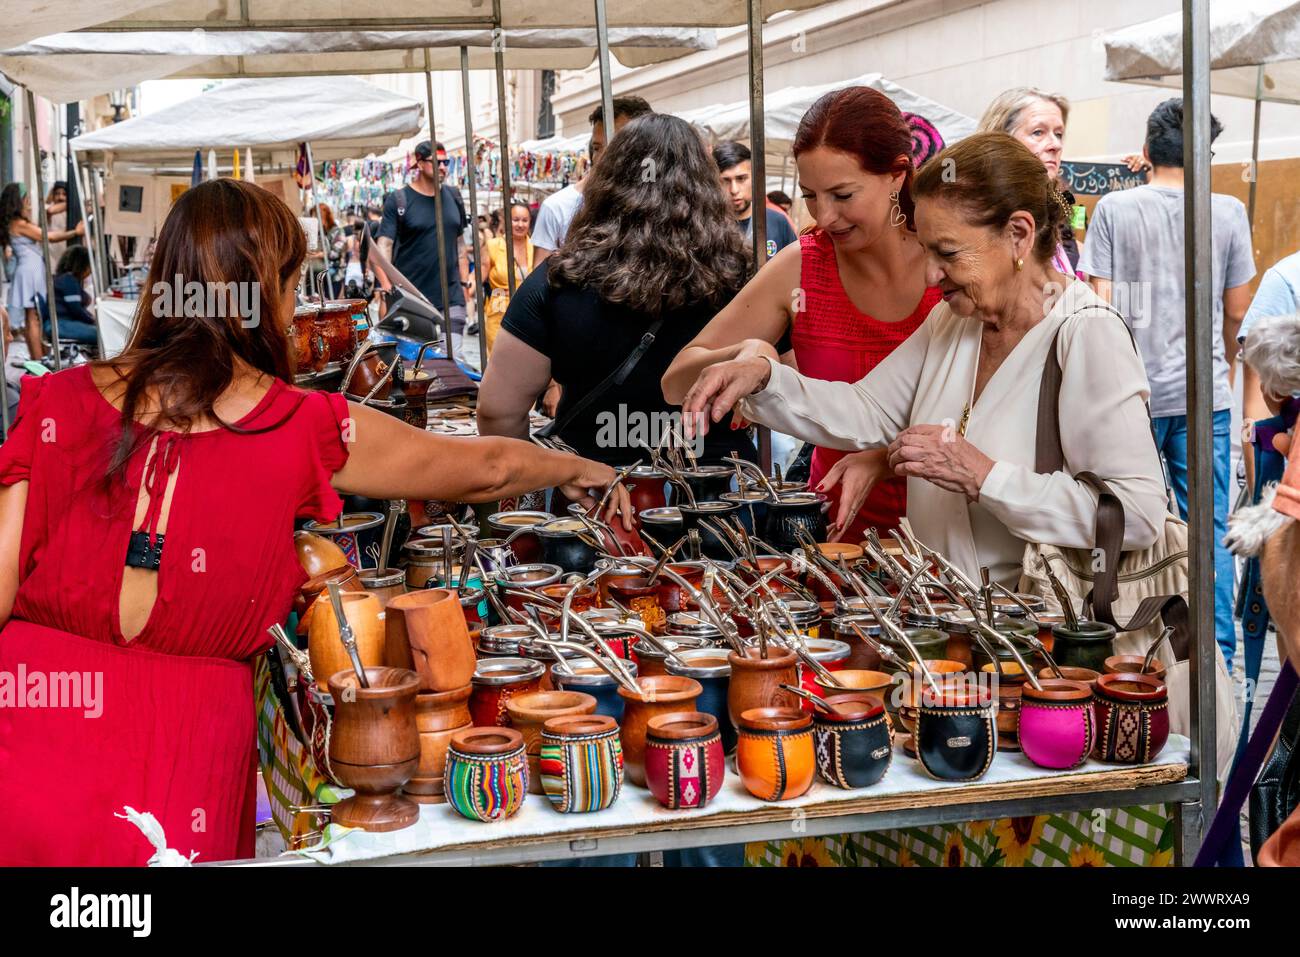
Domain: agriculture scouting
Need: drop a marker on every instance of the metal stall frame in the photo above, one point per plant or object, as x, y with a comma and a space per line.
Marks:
90, 201
38, 201
439, 229
1200, 391
471, 174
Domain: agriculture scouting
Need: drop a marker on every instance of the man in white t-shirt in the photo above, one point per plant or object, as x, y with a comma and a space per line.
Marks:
1134, 254
559, 209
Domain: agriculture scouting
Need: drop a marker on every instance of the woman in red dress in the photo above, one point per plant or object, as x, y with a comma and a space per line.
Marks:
846, 296
147, 508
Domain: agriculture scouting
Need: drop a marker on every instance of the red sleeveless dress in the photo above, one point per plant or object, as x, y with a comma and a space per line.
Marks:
835, 341
164, 722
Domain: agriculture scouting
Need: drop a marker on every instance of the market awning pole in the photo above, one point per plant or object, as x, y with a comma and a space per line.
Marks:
503, 135
101, 246
606, 78
91, 237
758, 176
471, 174
38, 201
1254, 148
1200, 395
320, 220
437, 211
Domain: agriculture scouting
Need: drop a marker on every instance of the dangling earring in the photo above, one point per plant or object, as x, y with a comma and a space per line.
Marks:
896, 217
1020, 264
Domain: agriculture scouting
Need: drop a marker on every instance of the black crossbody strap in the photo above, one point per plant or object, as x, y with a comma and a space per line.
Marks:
617, 377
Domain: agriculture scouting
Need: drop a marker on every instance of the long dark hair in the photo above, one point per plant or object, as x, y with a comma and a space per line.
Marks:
654, 232
11, 208
219, 234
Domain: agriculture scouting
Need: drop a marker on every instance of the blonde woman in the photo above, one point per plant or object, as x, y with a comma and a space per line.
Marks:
494, 266
1038, 119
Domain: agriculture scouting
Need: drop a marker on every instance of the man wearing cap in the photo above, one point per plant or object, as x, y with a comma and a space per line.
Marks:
408, 236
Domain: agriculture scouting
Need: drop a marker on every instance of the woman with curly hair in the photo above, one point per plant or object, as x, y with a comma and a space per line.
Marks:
654, 250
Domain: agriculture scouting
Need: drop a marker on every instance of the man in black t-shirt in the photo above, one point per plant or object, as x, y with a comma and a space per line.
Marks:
408, 236
733, 161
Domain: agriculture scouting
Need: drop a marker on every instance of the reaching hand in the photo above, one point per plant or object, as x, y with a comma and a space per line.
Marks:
551, 399
720, 386
595, 477
857, 475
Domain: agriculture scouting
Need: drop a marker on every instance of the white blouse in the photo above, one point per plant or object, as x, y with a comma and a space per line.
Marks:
929, 379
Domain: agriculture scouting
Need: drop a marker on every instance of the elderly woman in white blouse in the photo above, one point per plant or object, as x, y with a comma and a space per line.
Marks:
956, 404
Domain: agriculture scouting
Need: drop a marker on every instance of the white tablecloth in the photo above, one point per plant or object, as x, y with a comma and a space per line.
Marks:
439, 826
115, 317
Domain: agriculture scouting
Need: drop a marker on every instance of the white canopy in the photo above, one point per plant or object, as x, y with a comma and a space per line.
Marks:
1244, 35
381, 14
339, 116
784, 109
65, 67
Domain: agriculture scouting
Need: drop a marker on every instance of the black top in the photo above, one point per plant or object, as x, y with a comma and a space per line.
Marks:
779, 231
415, 240
586, 339
71, 299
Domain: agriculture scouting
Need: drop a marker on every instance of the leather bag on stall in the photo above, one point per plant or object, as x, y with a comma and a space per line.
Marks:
1139, 592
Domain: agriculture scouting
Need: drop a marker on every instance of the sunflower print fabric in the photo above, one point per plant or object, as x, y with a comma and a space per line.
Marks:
1117, 837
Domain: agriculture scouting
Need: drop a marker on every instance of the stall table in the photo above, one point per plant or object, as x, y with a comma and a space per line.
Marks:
636, 823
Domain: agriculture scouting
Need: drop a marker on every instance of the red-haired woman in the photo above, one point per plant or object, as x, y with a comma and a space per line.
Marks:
147, 508
844, 298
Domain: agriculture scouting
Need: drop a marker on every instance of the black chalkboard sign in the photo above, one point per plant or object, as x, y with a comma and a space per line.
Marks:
1098, 179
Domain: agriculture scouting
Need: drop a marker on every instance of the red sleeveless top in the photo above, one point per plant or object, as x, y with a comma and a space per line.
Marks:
834, 340
163, 722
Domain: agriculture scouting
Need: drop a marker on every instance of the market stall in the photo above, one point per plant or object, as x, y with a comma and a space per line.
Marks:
1254, 54
68, 66
143, 162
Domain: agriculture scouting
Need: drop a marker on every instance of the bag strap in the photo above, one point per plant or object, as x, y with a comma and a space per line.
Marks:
1109, 534
617, 377
1225, 829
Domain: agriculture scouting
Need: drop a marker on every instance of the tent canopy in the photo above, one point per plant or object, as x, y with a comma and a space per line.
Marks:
399, 14
1244, 36
73, 66
785, 108
339, 116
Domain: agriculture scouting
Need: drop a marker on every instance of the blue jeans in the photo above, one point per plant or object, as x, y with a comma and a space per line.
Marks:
74, 330
1171, 439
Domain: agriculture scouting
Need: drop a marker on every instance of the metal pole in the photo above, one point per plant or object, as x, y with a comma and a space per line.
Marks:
437, 211
503, 135
758, 176
606, 79
1254, 148
471, 174
320, 221
1200, 390
39, 202
92, 226
102, 247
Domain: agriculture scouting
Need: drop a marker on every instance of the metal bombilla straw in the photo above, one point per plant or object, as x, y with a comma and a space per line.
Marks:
1164, 636
1031, 640
645, 636
1010, 646
751, 468
346, 635
301, 660
901, 637
921, 565
616, 673
886, 653
1062, 596
814, 700
664, 560
704, 600
892, 610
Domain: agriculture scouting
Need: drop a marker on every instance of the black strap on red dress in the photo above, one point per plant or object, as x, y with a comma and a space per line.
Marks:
144, 549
